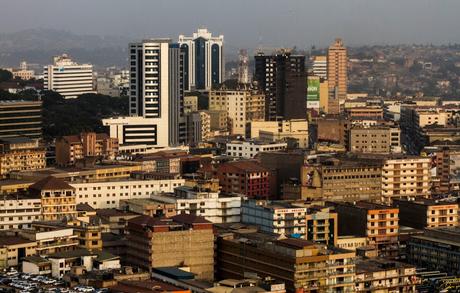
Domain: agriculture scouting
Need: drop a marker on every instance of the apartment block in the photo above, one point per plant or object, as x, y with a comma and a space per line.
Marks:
70, 149
20, 119
19, 210
302, 265
13, 249
183, 240
20, 154
242, 106
245, 177
294, 132
376, 139
426, 213
249, 149
406, 176
379, 223
214, 207
57, 198
108, 193
322, 225
275, 217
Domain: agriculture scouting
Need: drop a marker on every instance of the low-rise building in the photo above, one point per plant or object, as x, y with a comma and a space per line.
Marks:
108, 193
18, 211
379, 223
245, 177
183, 240
71, 148
321, 225
249, 149
295, 130
375, 139
20, 154
380, 275
426, 213
214, 207
148, 207
351, 242
13, 249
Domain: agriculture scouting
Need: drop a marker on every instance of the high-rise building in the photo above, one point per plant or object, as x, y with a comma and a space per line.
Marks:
243, 67
337, 75
283, 78
204, 60
319, 66
156, 97
20, 119
68, 78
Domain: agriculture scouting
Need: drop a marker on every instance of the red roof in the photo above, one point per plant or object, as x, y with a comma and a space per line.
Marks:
243, 166
51, 183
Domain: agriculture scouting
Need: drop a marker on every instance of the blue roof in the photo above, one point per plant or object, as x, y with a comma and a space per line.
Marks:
174, 273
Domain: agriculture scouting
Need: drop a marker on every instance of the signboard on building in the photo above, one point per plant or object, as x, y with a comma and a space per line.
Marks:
313, 92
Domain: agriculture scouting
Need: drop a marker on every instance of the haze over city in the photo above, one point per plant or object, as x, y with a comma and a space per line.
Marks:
302, 23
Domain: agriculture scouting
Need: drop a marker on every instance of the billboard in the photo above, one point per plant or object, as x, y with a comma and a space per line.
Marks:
313, 92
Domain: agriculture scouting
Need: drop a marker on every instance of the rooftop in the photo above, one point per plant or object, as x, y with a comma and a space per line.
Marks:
378, 265
51, 183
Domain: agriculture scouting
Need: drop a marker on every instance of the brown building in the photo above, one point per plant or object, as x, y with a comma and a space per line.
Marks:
338, 178
337, 75
369, 112
333, 130
20, 154
375, 139
379, 223
426, 213
302, 265
58, 198
70, 149
148, 207
182, 241
245, 177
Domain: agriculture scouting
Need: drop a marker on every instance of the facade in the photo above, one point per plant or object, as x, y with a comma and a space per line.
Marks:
198, 127
20, 119
20, 154
436, 249
322, 225
319, 66
379, 223
57, 198
380, 275
157, 92
204, 64
51, 239
68, 78
295, 130
148, 207
351, 242
404, 177
275, 217
249, 149
70, 149
19, 211
242, 106
426, 213
302, 265
282, 78
190, 104
183, 240
337, 75
245, 177
14, 249
108, 193
214, 207
376, 139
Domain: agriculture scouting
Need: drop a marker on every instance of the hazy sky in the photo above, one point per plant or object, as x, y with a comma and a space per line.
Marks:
246, 23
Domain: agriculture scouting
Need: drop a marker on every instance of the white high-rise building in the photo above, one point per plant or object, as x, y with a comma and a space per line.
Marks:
68, 78
204, 59
156, 98
319, 66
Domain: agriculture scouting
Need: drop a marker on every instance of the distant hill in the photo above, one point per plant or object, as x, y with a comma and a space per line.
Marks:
39, 45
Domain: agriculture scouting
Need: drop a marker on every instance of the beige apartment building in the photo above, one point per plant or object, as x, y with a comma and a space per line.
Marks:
375, 139
241, 105
20, 154
71, 148
337, 75
285, 130
405, 176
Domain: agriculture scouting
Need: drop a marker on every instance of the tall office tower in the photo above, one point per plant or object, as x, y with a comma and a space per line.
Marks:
68, 78
204, 60
156, 89
283, 78
20, 119
243, 67
337, 75
319, 66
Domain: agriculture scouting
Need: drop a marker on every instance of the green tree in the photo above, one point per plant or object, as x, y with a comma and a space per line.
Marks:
5, 75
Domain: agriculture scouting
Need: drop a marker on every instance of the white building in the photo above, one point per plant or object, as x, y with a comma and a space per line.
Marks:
215, 207
248, 149
204, 60
18, 212
319, 66
107, 194
68, 78
275, 217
